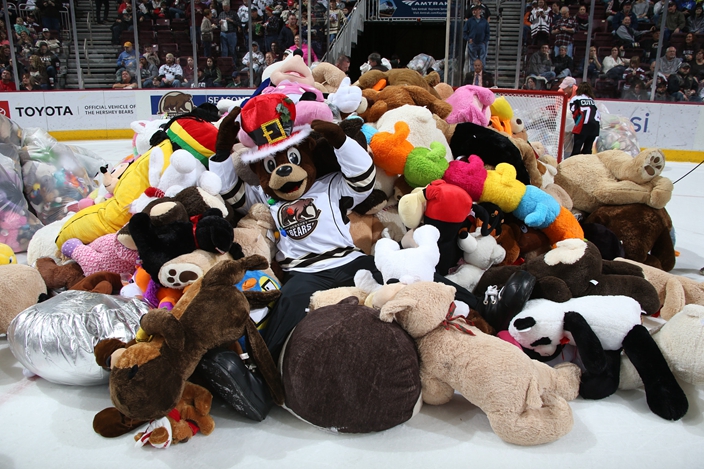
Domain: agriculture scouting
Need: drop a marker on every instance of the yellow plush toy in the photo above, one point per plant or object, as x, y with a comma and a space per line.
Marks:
7, 255
501, 115
109, 216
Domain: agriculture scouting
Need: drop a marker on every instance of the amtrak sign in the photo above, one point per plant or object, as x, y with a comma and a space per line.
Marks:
412, 9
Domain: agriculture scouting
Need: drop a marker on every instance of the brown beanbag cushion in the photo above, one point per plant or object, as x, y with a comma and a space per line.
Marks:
345, 370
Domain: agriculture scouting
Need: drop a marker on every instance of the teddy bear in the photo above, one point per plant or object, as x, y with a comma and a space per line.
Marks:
470, 104
59, 276
20, 288
643, 231
478, 254
104, 254
674, 291
525, 401
574, 268
600, 326
392, 97
614, 177
378, 80
184, 170
679, 340
143, 131
190, 416
147, 379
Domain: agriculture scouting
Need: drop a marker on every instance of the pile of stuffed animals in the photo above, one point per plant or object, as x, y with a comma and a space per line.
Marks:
160, 265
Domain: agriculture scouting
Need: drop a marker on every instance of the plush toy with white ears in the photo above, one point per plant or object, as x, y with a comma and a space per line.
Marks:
405, 265
143, 131
600, 326
479, 253
184, 170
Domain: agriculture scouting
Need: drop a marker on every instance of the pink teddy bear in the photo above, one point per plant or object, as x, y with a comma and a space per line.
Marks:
471, 104
105, 254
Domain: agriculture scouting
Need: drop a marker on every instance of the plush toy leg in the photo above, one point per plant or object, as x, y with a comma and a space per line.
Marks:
110, 423
435, 391
590, 350
604, 384
664, 395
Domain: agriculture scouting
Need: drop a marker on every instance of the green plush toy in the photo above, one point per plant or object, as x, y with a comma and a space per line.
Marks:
424, 165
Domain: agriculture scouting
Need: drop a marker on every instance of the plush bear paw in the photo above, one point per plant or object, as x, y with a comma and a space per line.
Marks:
661, 194
653, 165
70, 245
666, 399
179, 275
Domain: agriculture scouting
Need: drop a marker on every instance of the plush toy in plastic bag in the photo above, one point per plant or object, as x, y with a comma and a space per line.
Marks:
55, 176
17, 223
10, 132
421, 63
616, 133
55, 339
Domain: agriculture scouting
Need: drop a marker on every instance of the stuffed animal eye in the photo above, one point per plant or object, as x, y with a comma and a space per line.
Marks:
269, 164
294, 156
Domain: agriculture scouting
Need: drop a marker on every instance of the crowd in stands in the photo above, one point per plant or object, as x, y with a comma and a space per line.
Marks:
225, 55
35, 35
621, 61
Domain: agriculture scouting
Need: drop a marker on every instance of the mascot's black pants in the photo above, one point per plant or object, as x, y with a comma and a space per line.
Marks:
298, 287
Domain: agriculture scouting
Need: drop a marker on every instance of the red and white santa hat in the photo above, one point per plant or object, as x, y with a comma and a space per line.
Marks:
267, 126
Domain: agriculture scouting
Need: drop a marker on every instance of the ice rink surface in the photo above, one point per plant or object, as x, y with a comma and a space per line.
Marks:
47, 425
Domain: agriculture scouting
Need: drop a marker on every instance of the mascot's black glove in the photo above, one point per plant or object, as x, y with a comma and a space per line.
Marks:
227, 136
333, 133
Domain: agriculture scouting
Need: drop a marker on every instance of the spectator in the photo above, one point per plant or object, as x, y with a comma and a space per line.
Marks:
613, 60
686, 83
20, 27
336, 20
127, 82
582, 18
627, 36
297, 44
374, 61
634, 72
641, 9
176, 10
626, 11
594, 67
255, 59
5, 56
674, 23
613, 7
486, 13
697, 65
688, 48
288, 32
540, 23
206, 32
28, 83
695, 23
343, 63
151, 56
527, 26
661, 93
229, 24
568, 86
650, 46
105, 6
478, 77
170, 74
563, 63
239, 80
257, 26
121, 6
540, 64
586, 119
24, 46
669, 63
530, 84
51, 17
147, 71
555, 12
636, 92
188, 73
54, 45
272, 27
658, 8
145, 11
51, 62
38, 72
7, 82
123, 22
211, 74
3, 38
127, 60
477, 32
564, 29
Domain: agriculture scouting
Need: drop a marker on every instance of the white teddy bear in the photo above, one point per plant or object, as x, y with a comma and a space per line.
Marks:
184, 170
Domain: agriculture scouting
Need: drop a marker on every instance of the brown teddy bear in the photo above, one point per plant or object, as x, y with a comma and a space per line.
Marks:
20, 288
378, 80
392, 97
614, 177
525, 400
643, 231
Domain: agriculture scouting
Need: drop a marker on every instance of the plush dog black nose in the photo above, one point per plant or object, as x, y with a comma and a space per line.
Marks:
283, 171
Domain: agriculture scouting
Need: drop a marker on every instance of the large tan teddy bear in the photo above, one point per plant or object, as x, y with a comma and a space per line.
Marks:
674, 291
20, 287
525, 400
392, 97
399, 77
614, 177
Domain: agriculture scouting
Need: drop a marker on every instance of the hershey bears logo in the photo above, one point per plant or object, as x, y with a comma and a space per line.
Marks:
174, 103
298, 218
